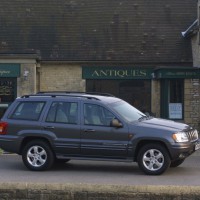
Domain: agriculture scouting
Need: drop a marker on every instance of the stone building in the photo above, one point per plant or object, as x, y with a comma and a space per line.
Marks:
132, 49
193, 85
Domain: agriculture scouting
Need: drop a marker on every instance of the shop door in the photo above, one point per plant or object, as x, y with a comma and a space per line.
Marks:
8, 91
172, 99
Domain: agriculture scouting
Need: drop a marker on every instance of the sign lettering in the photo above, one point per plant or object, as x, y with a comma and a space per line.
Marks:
9, 70
116, 73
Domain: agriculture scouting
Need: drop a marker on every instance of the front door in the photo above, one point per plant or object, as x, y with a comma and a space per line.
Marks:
98, 138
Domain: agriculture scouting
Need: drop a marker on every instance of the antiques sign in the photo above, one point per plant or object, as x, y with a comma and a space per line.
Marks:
116, 73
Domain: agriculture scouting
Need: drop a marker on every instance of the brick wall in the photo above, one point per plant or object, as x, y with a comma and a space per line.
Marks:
61, 78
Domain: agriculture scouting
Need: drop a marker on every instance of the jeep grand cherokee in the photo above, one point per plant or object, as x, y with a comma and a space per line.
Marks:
47, 127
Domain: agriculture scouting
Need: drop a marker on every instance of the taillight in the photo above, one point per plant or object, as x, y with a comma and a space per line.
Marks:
3, 128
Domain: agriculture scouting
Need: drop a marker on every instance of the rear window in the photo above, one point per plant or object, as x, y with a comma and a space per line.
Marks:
28, 111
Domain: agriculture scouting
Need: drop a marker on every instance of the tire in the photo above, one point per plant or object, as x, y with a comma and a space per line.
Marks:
38, 156
153, 159
176, 163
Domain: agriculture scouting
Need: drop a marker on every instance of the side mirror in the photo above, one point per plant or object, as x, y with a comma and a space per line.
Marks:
116, 123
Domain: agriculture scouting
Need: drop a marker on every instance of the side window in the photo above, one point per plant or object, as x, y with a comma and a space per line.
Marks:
97, 115
28, 111
63, 112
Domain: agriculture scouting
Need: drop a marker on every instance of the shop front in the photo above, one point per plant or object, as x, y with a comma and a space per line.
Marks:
180, 94
130, 84
170, 93
18, 76
8, 85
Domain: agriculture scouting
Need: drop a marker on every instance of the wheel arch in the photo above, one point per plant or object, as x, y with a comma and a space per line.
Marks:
141, 143
31, 138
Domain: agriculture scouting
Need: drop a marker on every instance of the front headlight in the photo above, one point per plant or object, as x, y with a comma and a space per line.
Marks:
196, 134
180, 137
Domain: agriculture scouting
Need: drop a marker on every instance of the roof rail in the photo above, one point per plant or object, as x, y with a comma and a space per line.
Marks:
73, 92
58, 95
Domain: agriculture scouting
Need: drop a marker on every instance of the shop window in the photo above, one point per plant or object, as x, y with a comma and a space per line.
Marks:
8, 90
135, 92
176, 91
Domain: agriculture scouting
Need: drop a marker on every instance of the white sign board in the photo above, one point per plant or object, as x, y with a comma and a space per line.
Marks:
175, 111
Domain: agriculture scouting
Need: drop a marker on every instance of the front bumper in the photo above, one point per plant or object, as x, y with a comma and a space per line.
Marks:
183, 150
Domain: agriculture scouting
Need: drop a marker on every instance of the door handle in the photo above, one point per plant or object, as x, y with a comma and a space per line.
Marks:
49, 127
89, 130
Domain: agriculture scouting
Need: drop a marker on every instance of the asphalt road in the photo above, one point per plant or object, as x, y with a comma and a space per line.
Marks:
98, 172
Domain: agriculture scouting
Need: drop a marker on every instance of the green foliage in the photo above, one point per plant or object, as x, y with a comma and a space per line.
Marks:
1, 151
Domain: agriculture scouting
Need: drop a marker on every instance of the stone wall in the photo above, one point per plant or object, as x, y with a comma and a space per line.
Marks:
63, 77
26, 83
23, 191
192, 105
195, 50
155, 97
192, 102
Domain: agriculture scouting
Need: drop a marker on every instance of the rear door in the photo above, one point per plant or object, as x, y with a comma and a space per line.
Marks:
63, 124
98, 138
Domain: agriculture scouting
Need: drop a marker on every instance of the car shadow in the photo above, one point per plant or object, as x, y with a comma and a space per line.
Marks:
97, 166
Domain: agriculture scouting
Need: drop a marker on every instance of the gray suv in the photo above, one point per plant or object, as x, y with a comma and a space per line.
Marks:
54, 127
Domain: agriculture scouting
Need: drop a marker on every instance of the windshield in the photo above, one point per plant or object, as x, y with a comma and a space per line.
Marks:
127, 111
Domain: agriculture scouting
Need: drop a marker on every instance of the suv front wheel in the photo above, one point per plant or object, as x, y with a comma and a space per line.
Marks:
153, 159
37, 156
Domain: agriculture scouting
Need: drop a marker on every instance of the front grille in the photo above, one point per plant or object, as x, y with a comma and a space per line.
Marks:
192, 135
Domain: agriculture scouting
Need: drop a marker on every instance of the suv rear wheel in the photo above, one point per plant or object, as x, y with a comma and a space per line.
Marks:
153, 159
37, 156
